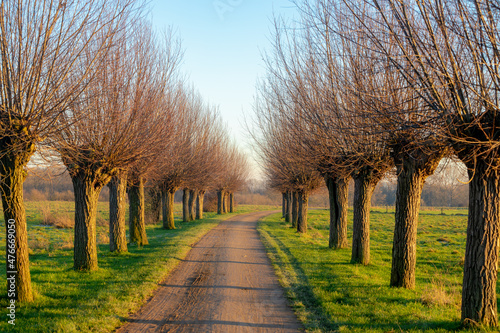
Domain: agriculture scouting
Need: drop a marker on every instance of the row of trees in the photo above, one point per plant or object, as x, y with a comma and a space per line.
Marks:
358, 88
89, 84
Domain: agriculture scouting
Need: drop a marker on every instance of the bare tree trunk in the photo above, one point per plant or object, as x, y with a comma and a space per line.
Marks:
168, 209
338, 191
303, 198
185, 205
288, 213
156, 202
295, 209
12, 175
283, 204
231, 202
117, 207
87, 189
364, 184
412, 172
137, 224
193, 194
220, 198
479, 299
199, 204
224, 202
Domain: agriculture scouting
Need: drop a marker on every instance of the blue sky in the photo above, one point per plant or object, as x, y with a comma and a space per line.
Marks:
223, 42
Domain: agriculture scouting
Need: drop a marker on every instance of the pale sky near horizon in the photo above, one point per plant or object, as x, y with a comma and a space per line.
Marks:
223, 42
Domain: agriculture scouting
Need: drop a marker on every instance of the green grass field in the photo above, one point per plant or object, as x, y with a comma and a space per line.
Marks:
331, 295
67, 301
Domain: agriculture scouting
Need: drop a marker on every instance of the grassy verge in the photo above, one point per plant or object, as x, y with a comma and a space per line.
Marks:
331, 295
67, 301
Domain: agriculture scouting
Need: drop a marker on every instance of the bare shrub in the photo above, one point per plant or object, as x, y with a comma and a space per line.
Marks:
437, 295
47, 216
63, 222
39, 243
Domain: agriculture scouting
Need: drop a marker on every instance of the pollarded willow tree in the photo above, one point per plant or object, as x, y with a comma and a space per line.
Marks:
112, 125
280, 130
49, 52
448, 51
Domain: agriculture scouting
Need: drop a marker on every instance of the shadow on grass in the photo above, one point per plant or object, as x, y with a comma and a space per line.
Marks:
301, 290
351, 294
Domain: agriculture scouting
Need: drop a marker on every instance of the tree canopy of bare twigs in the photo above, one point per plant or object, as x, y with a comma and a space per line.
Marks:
50, 51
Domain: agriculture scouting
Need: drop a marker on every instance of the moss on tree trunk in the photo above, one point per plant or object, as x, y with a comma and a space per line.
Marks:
168, 208
12, 175
479, 297
137, 223
117, 208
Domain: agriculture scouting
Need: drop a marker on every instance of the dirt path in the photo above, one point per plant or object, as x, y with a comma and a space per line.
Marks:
225, 284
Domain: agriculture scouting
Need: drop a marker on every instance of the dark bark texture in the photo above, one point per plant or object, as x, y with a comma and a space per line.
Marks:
337, 193
288, 211
156, 202
303, 200
231, 202
137, 223
283, 204
117, 208
295, 209
87, 188
199, 204
185, 205
412, 170
479, 299
364, 183
12, 175
219, 202
168, 208
193, 194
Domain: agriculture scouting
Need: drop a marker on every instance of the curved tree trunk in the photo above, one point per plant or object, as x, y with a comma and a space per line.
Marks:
185, 205
117, 207
87, 189
12, 175
199, 204
288, 212
303, 199
364, 184
193, 194
337, 193
295, 209
156, 202
137, 224
231, 202
168, 209
220, 197
479, 299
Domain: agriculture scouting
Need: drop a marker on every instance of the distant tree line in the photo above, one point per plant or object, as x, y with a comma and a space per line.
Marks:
359, 89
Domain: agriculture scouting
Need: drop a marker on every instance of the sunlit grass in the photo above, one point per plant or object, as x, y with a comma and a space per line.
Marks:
330, 294
68, 301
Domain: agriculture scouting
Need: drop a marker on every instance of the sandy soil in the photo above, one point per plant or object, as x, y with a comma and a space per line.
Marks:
225, 284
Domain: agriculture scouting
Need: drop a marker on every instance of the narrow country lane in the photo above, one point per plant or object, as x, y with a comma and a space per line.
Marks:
225, 284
